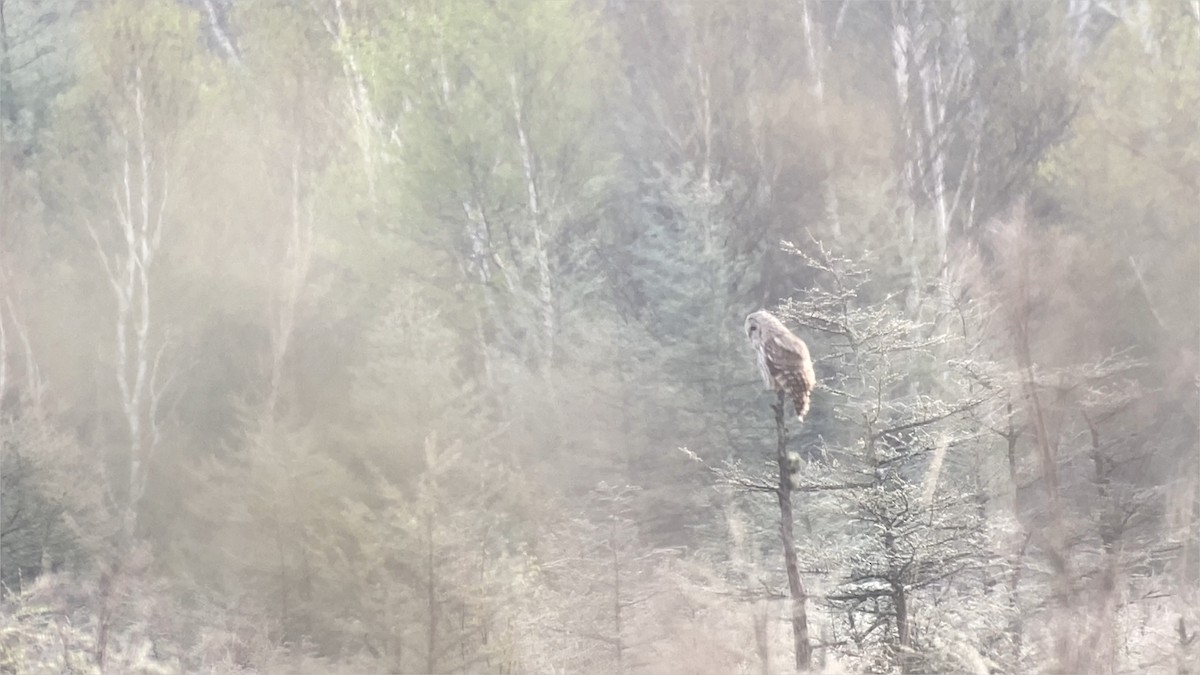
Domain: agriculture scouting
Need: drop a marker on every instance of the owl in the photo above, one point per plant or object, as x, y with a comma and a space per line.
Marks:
783, 359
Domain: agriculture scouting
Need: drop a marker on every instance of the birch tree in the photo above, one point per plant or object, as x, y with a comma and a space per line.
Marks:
346, 24
933, 71
982, 96
817, 53
501, 107
141, 64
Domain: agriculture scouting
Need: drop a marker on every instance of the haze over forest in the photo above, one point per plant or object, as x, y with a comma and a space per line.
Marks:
407, 336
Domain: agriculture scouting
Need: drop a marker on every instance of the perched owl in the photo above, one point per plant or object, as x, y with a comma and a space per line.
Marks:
783, 359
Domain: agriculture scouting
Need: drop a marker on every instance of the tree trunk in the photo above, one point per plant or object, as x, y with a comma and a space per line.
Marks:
762, 639
366, 122
816, 48
617, 619
431, 607
901, 54
545, 292
140, 198
8, 107
903, 627
3, 358
795, 585
219, 32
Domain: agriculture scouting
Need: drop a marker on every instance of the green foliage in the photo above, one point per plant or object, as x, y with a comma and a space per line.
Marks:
138, 72
500, 154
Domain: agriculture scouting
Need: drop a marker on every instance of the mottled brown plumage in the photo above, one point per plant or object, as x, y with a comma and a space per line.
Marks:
783, 359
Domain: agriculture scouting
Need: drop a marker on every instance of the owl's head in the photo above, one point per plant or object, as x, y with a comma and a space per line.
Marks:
755, 323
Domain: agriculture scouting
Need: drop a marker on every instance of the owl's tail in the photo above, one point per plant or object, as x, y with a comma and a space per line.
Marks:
798, 388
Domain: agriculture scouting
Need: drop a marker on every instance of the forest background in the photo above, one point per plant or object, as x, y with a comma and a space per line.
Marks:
406, 336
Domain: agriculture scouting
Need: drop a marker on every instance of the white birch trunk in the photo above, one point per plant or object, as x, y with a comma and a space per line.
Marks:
295, 259
140, 198
3, 359
901, 51
366, 122
815, 52
935, 172
223, 39
545, 290
942, 66
34, 385
706, 126
1079, 13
